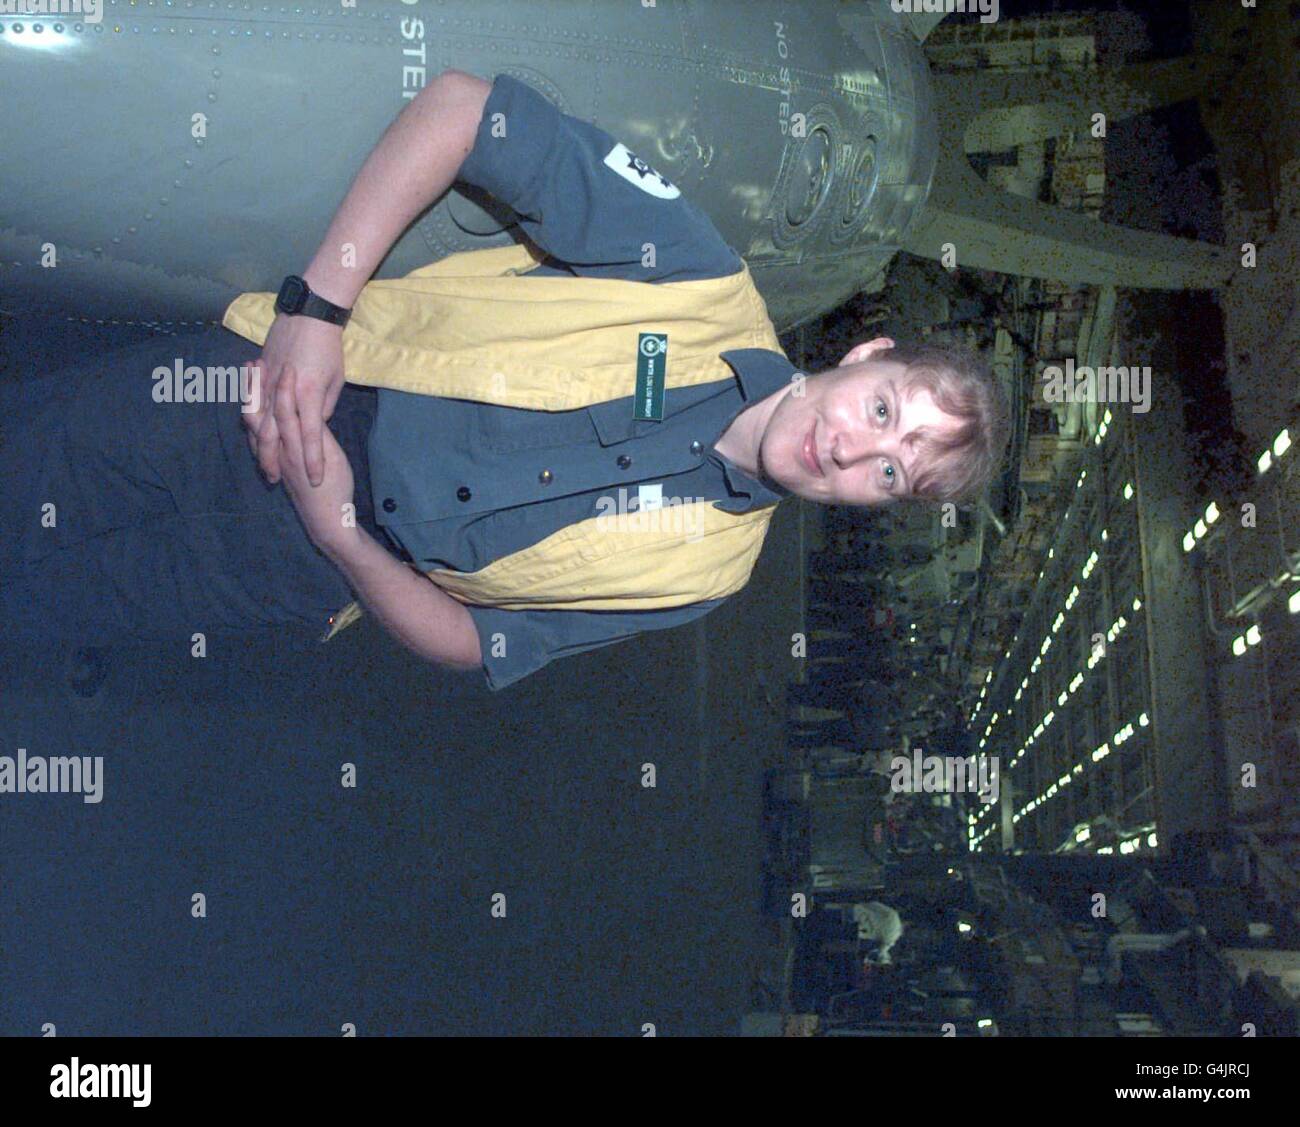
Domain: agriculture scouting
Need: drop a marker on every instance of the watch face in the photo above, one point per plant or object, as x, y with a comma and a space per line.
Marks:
292, 293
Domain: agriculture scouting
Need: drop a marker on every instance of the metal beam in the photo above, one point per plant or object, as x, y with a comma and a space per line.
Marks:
992, 229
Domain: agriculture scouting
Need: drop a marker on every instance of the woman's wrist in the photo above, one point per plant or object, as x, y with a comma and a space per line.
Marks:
334, 284
340, 543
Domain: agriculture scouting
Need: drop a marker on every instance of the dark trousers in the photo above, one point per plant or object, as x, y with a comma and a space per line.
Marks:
162, 525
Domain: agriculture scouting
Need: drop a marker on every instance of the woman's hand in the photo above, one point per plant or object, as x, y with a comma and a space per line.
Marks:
326, 509
300, 376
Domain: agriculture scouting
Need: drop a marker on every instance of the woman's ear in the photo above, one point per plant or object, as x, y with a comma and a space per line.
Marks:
864, 351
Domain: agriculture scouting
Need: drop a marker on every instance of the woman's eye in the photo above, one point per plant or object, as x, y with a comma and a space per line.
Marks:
882, 412
889, 473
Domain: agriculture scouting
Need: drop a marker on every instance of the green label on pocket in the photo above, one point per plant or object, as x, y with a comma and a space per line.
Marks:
651, 367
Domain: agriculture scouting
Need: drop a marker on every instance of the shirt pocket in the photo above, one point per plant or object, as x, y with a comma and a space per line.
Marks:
613, 422
507, 429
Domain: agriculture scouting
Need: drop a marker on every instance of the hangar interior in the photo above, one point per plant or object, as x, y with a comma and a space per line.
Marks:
1118, 627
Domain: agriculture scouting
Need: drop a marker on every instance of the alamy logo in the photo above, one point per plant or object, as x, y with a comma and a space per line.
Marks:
91, 11
59, 774
192, 384
1082, 384
946, 774
986, 9
101, 1081
650, 511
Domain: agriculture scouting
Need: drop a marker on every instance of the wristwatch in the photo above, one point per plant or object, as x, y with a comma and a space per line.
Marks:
296, 299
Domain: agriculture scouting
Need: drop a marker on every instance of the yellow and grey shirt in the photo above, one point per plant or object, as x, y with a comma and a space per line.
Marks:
463, 485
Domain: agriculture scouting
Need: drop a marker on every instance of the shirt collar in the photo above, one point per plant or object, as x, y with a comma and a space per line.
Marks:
759, 372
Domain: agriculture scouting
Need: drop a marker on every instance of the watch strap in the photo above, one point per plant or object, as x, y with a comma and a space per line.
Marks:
316, 306
297, 300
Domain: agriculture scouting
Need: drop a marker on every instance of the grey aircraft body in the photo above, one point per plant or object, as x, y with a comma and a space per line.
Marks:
178, 152
185, 151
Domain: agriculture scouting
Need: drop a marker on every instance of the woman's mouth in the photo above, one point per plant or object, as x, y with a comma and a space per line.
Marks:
810, 453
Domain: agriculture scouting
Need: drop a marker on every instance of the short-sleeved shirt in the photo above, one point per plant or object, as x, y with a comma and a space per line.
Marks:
459, 484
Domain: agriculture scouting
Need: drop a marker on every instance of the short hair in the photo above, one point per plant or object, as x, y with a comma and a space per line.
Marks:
958, 466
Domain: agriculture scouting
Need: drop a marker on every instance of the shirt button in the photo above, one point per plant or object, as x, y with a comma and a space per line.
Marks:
545, 477
697, 447
624, 461
463, 493
389, 504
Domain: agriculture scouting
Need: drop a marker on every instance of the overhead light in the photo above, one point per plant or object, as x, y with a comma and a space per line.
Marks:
1282, 443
